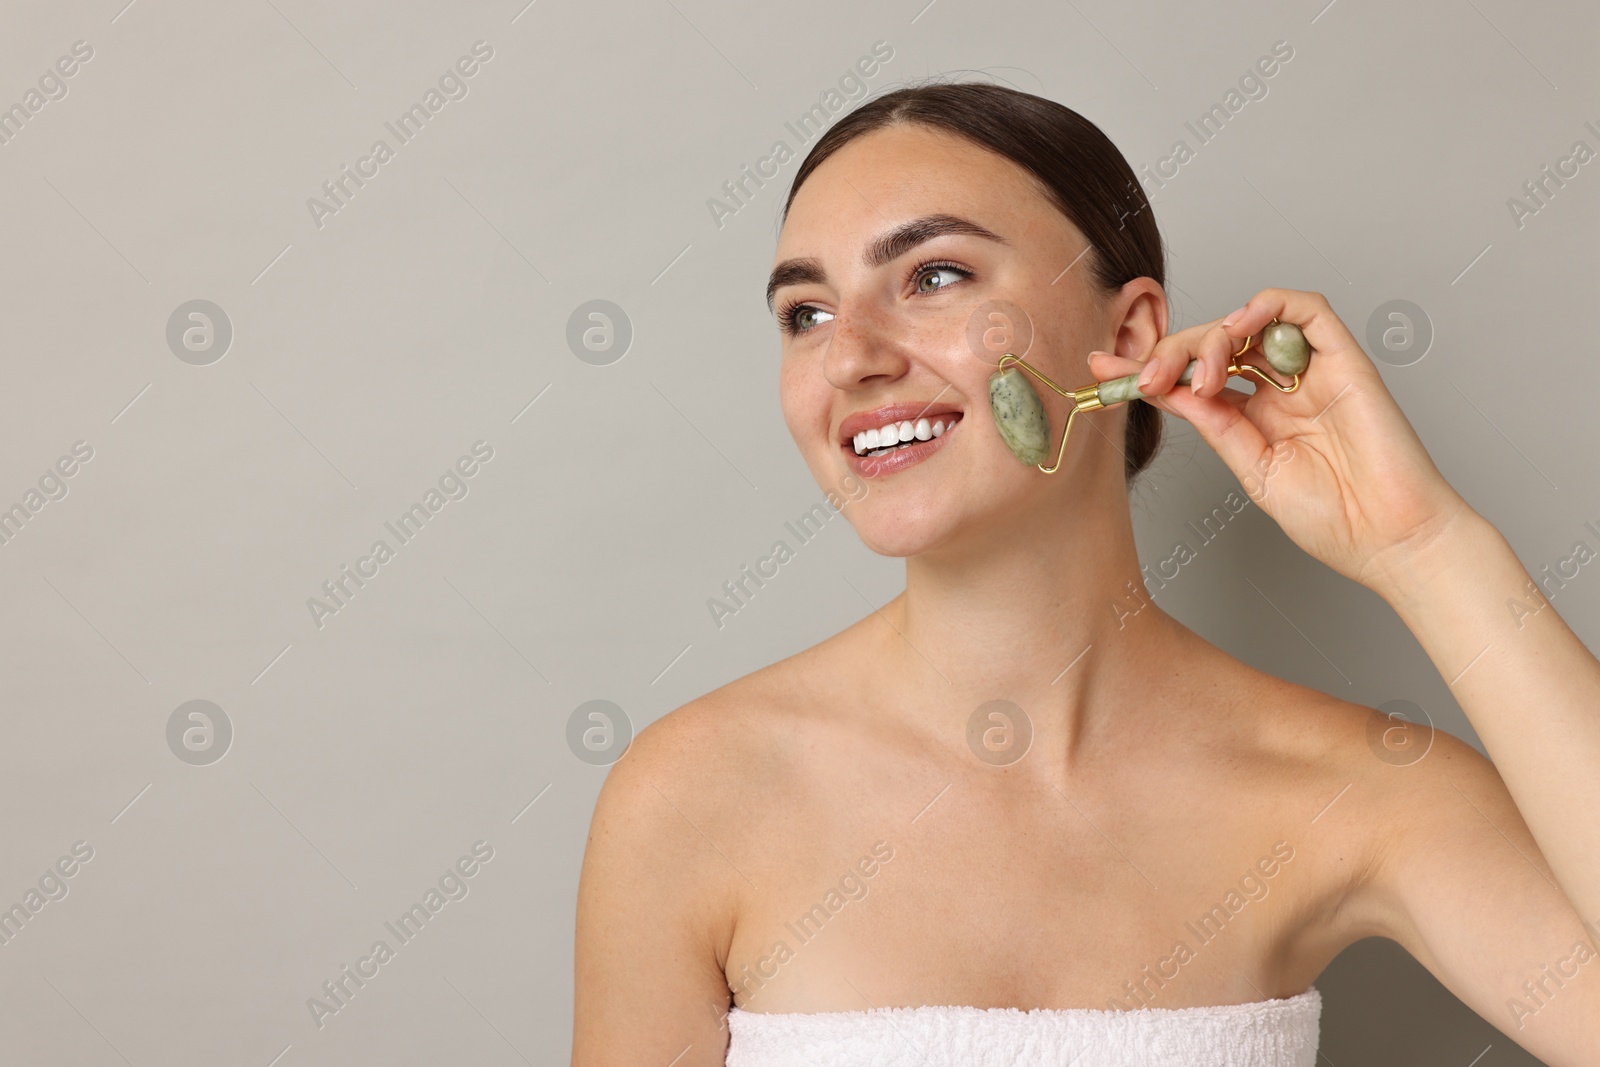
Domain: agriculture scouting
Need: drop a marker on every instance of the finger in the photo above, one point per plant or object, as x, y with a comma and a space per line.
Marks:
1106, 366
1235, 398
1214, 352
1329, 338
1222, 423
1338, 365
1168, 359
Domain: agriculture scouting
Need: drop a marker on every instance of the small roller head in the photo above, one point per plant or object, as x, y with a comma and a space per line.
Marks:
1286, 348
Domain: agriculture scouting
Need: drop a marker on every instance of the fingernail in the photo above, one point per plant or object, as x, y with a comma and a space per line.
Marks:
1196, 379
1147, 375
1233, 316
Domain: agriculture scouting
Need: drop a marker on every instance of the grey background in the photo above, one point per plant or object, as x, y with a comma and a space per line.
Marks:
431, 311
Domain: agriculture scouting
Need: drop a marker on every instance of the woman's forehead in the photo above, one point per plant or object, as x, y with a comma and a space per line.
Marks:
904, 172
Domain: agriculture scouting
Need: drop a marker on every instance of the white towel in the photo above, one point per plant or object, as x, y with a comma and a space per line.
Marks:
1269, 1033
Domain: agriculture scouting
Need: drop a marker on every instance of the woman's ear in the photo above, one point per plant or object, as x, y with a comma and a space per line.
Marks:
1138, 315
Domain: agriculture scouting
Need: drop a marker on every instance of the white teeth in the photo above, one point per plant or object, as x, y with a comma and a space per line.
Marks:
886, 439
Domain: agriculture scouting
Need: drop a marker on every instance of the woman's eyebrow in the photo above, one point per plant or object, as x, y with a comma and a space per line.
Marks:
884, 249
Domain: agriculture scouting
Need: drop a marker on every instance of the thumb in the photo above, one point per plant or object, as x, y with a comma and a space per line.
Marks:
1221, 422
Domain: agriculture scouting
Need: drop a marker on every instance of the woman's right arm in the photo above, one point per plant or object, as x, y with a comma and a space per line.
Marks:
653, 922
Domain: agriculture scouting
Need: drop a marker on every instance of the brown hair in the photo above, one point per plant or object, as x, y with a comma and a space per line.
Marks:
1084, 175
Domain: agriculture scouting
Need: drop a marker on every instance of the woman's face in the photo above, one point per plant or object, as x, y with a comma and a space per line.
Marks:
875, 334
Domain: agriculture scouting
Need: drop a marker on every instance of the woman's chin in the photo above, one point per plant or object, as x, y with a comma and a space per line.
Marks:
901, 539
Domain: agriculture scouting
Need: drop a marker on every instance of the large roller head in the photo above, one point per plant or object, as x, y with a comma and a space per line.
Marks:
1019, 415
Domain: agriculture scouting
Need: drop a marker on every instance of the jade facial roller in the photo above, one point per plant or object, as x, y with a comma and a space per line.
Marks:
1020, 417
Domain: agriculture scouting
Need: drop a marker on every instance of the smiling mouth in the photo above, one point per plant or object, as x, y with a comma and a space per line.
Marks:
894, 436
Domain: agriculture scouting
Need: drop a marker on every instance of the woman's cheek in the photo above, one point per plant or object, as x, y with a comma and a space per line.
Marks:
803, 415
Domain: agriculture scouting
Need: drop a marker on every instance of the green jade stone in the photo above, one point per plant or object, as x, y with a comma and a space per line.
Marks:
1019, 415
1286, 348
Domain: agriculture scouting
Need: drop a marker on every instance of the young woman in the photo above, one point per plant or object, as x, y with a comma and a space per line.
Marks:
1018, 815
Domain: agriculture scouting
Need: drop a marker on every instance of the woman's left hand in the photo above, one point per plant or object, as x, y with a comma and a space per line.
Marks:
1335, 462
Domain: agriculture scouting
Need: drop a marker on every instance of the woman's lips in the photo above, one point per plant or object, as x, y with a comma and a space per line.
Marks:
908, 455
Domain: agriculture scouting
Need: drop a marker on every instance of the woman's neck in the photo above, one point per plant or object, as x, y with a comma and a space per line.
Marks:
1056, 620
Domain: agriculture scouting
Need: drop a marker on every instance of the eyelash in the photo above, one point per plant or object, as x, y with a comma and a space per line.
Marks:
788, 311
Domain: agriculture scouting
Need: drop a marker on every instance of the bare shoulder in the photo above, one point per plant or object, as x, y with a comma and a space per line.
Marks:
1428, 814
1427, 848
727, 739
663, 872
1376, 762
1381, 795
1327, 739
700, 772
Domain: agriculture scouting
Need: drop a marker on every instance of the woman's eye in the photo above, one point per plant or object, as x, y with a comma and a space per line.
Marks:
804, 317
929, 278
929, 273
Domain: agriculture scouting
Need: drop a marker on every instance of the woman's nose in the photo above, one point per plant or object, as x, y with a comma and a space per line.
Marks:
863, 347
